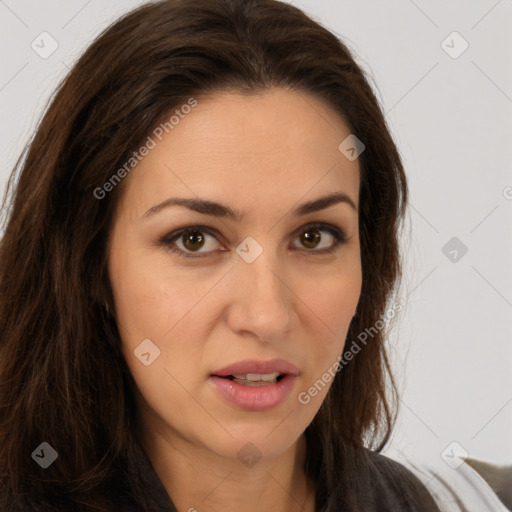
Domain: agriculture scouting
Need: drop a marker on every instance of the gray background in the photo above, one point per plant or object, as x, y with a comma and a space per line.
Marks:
452, 121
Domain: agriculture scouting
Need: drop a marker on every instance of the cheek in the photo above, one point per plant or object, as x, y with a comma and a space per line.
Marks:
159, 307
151, 298
333, 296
155, 302
335, 301
332, 305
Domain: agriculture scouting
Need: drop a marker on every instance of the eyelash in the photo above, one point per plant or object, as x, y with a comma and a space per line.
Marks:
339, 238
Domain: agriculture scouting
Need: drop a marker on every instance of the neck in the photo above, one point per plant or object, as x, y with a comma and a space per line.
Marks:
197, 479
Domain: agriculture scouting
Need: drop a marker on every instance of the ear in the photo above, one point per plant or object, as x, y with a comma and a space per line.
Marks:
101, 291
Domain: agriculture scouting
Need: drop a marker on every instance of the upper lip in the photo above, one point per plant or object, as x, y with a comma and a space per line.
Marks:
259, 367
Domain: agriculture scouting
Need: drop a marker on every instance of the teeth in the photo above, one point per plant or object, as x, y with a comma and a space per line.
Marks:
255, 377
250, 383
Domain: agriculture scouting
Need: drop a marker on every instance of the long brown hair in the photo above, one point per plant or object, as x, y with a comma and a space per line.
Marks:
63, 379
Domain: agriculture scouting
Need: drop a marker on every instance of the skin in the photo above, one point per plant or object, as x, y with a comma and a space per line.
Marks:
263, 154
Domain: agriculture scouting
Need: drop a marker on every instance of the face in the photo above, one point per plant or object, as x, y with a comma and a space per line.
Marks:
220, 253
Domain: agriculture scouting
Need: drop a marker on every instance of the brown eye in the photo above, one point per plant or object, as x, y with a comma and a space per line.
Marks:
319, 238
310, 238
193, 240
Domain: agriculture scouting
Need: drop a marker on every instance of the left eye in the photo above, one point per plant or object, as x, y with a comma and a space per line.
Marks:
197, 240
311, 238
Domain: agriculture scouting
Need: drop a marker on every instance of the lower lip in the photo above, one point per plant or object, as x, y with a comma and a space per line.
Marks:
254, 398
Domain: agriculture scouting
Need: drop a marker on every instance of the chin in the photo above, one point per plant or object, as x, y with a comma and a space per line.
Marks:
250, 442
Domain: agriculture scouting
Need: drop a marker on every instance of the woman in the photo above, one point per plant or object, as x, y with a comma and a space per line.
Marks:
203, 229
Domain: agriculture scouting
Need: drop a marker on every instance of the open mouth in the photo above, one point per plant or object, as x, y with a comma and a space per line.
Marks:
254, 391
256, 379
253, 385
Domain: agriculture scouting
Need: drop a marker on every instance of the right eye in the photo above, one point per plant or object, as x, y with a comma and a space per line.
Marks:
191, 242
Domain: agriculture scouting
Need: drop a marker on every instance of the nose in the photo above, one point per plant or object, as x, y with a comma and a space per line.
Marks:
262, 302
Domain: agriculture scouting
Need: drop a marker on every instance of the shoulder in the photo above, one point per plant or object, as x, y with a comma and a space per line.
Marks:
499, 479
395, 487
458, 485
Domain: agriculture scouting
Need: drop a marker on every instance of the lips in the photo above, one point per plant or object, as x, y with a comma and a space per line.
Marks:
255, 385
280, 366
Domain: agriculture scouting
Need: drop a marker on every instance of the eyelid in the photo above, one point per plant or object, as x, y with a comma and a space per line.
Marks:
339, 234
323, 226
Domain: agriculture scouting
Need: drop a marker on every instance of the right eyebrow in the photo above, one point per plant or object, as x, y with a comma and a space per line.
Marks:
198, 205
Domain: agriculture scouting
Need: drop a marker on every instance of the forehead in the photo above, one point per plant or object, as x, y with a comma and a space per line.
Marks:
265, 149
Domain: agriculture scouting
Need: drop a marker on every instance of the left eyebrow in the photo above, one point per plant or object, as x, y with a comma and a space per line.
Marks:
219, 210
324, 202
